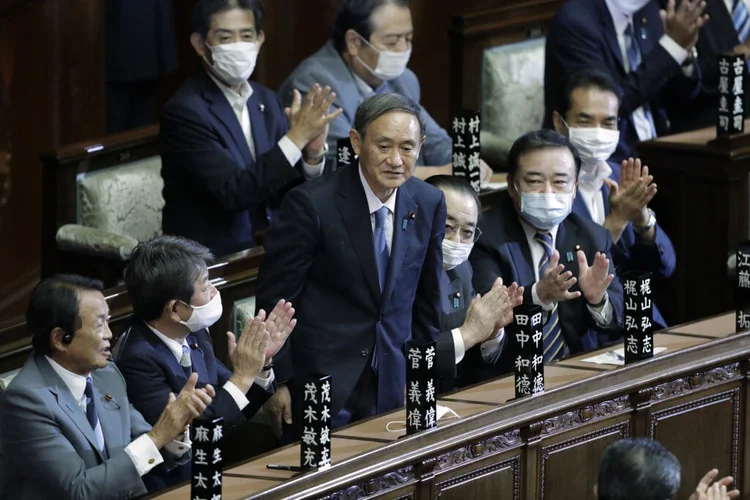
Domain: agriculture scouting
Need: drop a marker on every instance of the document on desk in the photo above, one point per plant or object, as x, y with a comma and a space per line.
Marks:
616, 357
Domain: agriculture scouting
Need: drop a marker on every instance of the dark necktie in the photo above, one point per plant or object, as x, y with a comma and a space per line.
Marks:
634, 60
380, 247
92, 416
553, 341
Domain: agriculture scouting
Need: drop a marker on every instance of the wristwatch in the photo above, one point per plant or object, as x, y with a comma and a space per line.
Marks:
317, 158
651, 222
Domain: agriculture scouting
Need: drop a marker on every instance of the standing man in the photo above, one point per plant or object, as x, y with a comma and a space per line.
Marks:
68, 429
562, 260
359, 254
228, 151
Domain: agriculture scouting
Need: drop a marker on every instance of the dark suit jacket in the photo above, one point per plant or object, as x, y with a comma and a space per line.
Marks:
141, 40
48, 447
152, 373
319, 255
503, 250
212, 186
632, 255
582, 36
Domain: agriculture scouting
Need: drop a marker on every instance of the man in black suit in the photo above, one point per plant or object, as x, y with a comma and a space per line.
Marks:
174, 304
650, 59
532, 237
227, 148
359, 253
473, 326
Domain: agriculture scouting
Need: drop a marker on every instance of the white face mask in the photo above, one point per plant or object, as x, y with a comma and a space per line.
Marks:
545, 210
455, 254
630, 7
206, 315
442, 411
390, 64
595, 145
234, 62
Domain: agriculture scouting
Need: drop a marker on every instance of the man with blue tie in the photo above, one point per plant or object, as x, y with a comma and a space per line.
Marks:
650, 59
228, 151
359, 254
68, 429
562, 260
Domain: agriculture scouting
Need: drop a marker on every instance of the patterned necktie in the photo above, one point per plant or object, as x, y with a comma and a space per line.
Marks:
185, 362
741, 20
553, 341
92, 416
634, 60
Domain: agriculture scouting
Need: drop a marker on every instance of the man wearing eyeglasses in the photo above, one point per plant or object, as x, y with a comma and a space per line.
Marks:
613, 195
562, 260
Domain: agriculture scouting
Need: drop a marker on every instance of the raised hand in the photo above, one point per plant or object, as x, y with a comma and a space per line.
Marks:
595, 279
279, 325
249, 353
554, 284
706, 491
515, 297
180, 411
636, 189
309, 117
684, 23
484, 312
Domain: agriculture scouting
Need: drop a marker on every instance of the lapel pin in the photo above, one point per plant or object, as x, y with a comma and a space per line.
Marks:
456, 296
412, 216
108, 397
578, 247
70, 408
194, 346
262, 107
570, 256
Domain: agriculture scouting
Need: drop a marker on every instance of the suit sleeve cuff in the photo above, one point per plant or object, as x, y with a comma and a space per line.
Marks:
239, 398
179, 446
144, 454
602, 315
678, 53
458, 344
266, 382
290, 150
537, 301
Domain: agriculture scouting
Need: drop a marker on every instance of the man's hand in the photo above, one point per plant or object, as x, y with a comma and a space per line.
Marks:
279, 406
484, 312
706, 491
249, 354
683, 25
180, 411
279, 326
742, 49
593, 280
629, 199
555, 282
315, 151
310, 117
515, 296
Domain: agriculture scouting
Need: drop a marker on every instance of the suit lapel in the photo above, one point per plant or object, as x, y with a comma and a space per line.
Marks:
164, 353
352, 205
610, 35
405, 205
605, 199
565, 244
518, 246
221, 109
258, 124
579, 206
109, 418
197, 359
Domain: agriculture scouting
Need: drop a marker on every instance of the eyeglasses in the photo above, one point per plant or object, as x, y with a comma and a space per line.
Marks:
464, 233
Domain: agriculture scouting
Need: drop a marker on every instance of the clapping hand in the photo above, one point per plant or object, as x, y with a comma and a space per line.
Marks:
555, 282
629, 198
684, 23
279, 325
718, 491
593, 280
309, 118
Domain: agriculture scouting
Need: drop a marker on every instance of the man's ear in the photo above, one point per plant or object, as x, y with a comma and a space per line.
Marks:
356, 141
559, 123
353, 42
199, 45
55, 340
170, 311
261, 39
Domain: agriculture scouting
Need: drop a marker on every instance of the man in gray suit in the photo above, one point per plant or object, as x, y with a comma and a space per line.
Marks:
368, 54
67, 428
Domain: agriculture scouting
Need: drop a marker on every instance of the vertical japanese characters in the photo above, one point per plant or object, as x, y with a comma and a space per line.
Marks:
731, 112
466, 147
421, 406
315, 449
743, 287
639, 313
344, 152
527, 330
205, 475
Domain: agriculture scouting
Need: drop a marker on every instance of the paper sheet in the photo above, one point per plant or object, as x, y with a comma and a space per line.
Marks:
611, 357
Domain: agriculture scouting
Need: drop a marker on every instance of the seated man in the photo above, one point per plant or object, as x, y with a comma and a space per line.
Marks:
174, 304
643, 469
473, 326
368, 54
228, 154
68, 429
650, 59
359, 254
532, 238
588, 118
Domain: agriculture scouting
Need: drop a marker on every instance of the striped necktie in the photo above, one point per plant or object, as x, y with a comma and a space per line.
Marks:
741, 20
634, 60
553, 341
93, 417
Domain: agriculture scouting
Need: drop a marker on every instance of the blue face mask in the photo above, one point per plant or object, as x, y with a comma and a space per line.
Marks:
545, 210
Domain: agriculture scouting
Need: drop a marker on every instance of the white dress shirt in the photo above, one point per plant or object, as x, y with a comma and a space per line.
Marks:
602, 315
142, 450
374, 204
237, 395
238, 102
621, 21
590, 182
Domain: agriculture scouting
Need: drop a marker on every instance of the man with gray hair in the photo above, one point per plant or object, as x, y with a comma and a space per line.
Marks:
359, 253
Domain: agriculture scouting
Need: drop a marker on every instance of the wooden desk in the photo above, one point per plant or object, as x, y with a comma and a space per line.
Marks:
548, 446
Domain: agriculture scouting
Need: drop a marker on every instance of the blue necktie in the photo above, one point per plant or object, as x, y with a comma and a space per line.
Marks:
380, 247
553, 341
741, 20
634, 60
185, 362
92, 416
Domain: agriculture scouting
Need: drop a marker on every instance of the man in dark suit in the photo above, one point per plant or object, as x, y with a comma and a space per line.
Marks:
68, 429
228, 153
615, 196
359, 254
174, 304
649, 59
562, 260
473, 326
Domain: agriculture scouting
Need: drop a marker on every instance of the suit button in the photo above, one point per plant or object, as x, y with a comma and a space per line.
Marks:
365, 352
380, 319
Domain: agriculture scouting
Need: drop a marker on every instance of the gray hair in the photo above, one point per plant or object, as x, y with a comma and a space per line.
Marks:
638, 468
378, 105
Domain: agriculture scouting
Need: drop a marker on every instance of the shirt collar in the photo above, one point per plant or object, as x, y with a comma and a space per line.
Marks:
593, 181
531, 232
619, 19
172, 344
373, 202
235, 100
76, 383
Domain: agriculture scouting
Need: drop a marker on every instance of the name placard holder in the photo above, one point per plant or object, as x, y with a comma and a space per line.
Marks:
527, 334
344, 153
315, 447
639, 316
465, 129
205, 476
730, 111
421, 405
742, 283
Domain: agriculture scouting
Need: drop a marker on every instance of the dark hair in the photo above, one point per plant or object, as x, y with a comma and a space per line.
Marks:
587, 79
378, 105
162, 269
204, 10
638, 468
535, 141
356, 15
457, 184
55, 304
